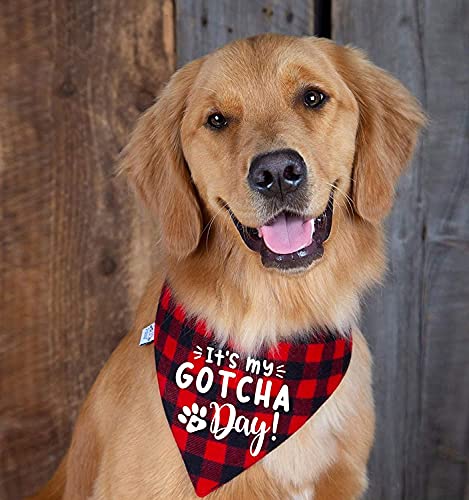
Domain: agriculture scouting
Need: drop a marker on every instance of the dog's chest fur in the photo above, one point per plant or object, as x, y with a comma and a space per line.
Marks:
332, 432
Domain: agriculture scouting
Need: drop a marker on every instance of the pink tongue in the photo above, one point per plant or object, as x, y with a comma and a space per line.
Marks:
287, 234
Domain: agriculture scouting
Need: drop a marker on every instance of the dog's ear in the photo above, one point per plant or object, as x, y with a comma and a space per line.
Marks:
390, 119
154, 164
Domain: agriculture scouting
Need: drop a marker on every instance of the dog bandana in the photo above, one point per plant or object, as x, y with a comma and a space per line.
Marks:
227, 410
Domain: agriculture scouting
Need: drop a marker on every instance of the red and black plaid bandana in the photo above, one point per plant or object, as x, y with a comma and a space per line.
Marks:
227, 410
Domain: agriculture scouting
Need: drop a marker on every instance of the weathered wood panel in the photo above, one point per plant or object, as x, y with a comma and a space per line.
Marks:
418, 324
74, 252
204, 25
445, 299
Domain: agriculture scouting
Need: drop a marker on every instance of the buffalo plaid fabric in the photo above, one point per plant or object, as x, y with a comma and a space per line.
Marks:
312, 370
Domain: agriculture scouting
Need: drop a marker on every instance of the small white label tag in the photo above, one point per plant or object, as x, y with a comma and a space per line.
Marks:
148, 334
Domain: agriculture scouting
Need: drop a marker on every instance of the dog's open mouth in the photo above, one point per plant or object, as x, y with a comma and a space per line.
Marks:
289, 241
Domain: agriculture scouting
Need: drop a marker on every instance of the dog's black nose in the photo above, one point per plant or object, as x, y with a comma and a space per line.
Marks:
277, 173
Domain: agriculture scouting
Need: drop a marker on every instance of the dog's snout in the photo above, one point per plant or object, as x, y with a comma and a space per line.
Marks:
277, 173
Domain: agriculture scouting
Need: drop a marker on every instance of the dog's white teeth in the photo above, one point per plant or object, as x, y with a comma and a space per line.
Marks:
318, 219
312, 227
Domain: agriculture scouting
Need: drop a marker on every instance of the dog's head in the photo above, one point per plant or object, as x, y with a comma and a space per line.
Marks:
276, 137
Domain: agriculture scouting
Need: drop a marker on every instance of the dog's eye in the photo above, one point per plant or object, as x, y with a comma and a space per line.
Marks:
217, 120
313, 98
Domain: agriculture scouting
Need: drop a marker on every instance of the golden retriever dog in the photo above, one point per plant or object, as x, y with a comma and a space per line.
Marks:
270, 165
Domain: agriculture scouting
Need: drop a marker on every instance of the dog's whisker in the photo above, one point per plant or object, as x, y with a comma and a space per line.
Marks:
349, 201
334, 186
211, 221
225, 205
158, 241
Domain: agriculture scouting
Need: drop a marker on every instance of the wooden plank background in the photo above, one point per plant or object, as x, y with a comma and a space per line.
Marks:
418, 324
75, 252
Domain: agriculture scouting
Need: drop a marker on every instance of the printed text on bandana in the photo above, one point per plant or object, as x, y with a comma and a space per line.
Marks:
254, 387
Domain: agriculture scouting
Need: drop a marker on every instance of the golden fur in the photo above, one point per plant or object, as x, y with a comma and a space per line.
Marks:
186, 174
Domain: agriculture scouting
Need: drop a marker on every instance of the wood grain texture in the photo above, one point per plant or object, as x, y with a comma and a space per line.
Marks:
75, 252
204, 25
418, 324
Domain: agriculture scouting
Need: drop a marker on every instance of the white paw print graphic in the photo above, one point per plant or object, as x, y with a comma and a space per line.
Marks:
193, 418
